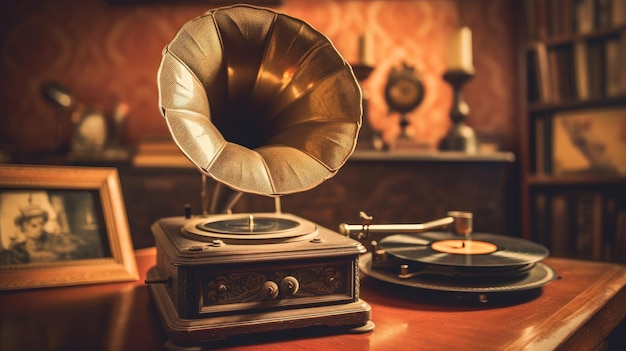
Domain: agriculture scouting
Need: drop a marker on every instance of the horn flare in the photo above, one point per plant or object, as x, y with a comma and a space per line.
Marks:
259, 101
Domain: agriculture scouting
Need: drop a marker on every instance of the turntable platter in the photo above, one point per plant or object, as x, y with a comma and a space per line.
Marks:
249, 225
539, 275
250, 228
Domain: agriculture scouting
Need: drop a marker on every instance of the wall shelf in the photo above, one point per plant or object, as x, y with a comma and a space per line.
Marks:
423, 156
573, 85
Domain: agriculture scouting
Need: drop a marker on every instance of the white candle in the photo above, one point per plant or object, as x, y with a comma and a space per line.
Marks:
460, 51
366, 49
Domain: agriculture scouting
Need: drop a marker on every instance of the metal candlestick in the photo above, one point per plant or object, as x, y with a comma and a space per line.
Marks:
460, 137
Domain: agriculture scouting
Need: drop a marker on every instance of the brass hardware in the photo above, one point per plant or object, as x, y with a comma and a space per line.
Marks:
271, 110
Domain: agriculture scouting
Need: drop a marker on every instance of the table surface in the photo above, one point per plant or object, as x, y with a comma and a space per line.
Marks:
579, 309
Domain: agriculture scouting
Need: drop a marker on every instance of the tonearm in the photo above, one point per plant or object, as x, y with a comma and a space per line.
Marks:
459, 221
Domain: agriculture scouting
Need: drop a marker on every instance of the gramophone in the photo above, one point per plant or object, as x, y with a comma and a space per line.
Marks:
264, 104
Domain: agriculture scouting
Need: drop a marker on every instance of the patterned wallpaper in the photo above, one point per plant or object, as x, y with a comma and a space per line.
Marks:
106, 53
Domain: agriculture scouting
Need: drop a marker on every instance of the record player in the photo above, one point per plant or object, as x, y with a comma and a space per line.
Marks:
455, 263
261, 103
229, 275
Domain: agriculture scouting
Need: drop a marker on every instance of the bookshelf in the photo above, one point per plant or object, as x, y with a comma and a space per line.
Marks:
573, 130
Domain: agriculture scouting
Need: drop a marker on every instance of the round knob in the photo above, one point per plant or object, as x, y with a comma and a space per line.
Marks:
269, 291
289, 286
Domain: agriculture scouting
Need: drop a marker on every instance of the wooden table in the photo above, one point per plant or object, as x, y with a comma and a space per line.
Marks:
577, 311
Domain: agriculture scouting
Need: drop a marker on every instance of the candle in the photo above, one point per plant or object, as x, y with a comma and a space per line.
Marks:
366, 49
460, 51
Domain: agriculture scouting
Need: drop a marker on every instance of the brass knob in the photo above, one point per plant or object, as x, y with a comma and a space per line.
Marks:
289, 286
269, 291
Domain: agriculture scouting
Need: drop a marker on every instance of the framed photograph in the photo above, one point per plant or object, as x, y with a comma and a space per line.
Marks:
589, 142
63, 226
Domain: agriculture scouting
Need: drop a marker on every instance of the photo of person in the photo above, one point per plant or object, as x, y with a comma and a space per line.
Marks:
49, 226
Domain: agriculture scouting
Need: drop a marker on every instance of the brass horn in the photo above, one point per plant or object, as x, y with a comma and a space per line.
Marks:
260, 101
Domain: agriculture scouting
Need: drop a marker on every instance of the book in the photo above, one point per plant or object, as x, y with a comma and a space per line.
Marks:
587, 212
543, 146
548, 144
533, 93
581, 72
157, 144
618, 12
609, 219
567, 14
541, 18
541, 221
603, 15
162, 160
612, 67
160, 152
559, 227
621, 59
531, 20
567, 72
555, 18
540, 145
554, 70
584, 11
596, 69
544, 76
620, 235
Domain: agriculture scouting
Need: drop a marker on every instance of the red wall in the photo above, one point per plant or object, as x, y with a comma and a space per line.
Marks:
103, 52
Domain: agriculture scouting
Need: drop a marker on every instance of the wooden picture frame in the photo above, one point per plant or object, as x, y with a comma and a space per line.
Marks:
589, 142
62, 226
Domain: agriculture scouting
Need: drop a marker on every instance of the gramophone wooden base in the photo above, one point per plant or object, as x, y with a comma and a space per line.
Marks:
353, 317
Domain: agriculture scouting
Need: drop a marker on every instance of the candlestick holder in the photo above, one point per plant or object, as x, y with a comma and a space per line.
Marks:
460, 136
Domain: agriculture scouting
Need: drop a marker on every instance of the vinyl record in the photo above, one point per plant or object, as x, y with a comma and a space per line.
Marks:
540, 275
480, 250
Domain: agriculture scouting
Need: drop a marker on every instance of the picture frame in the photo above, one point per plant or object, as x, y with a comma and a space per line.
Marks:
589, 142
61, 226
